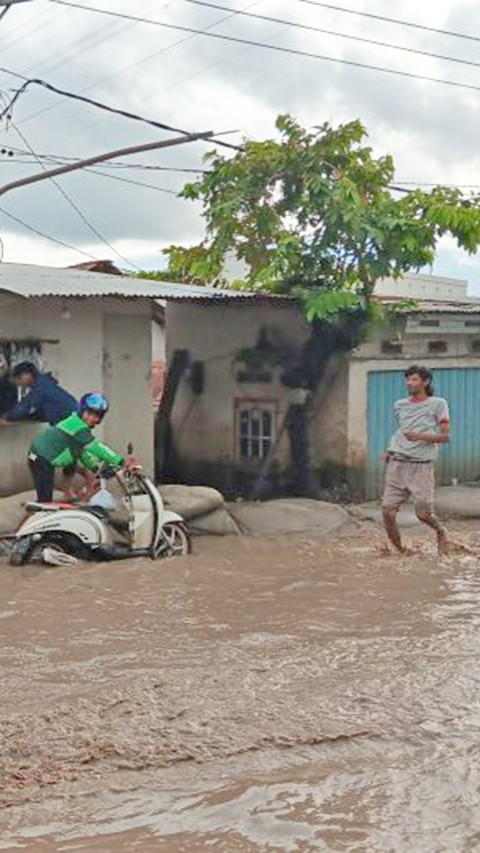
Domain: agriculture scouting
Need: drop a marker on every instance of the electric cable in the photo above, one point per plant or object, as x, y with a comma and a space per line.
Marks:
337, 34
74, 205
7, 111
273, 47
46, 236
385, 18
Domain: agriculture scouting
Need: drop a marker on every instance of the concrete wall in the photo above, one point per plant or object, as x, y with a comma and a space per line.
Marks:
329, 426
204, 424
88, 345
158, 341
418, 286
127, 384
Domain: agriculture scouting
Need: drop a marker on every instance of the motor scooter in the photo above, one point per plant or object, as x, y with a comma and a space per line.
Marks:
136, 525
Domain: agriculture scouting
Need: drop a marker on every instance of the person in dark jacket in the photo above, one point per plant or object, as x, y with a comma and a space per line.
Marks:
8, 392
45, 399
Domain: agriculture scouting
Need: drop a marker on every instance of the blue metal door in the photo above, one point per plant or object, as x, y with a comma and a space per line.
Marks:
461, 457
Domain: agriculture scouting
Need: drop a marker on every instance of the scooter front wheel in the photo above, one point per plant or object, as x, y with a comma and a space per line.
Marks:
176, 540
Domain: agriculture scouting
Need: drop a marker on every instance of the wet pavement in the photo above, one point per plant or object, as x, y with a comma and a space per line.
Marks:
261, 695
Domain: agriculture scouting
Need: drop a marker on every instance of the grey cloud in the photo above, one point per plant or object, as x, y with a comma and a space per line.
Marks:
205, 84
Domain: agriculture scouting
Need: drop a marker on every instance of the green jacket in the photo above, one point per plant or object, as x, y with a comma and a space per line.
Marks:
70, 441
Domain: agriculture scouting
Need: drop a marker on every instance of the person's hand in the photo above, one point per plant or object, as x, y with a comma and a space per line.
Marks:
132, 464
413, 436
4, 422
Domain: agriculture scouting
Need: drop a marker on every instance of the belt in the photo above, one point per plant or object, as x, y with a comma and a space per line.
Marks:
397, 457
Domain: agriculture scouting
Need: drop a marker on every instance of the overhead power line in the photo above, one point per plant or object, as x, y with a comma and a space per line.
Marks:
56, 158
32, 81
6, 112
135, 64
362, 39
398, 21
46, 236
273, 47
439, 184
73, 204
105, 175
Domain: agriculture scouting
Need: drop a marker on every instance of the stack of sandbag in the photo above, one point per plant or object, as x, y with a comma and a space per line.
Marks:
203, 509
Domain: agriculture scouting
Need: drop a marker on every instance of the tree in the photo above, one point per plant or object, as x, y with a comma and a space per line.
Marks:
316, 215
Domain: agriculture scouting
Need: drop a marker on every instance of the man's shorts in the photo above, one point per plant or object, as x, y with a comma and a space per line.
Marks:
404, 480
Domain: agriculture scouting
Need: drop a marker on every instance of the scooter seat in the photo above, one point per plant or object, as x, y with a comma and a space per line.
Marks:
54, 506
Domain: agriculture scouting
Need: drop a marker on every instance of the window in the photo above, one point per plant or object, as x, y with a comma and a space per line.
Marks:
429, 321
472, 323
252, 376
476, 345
255, 430
435, 347
12, 353
392, 348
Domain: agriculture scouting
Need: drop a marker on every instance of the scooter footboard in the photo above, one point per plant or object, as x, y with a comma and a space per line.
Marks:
168, 517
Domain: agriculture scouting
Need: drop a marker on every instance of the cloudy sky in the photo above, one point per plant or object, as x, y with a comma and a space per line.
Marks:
200, 83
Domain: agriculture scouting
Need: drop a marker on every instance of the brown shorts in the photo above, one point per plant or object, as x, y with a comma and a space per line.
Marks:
409, 479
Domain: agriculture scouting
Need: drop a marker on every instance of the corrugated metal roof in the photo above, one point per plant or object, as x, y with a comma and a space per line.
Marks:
34, 281
430, 306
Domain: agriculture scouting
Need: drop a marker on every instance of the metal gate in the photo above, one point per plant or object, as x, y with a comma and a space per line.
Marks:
461, 457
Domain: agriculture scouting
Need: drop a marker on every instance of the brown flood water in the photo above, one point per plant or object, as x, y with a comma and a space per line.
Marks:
273, 695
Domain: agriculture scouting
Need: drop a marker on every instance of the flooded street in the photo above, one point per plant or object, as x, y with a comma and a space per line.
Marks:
261, 695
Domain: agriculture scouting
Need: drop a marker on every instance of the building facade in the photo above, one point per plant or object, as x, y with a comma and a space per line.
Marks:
229, 414
92, 335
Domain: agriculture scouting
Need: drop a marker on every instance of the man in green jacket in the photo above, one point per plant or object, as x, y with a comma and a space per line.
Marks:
68, 442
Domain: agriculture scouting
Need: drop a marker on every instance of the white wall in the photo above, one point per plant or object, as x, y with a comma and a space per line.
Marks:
127, 384
158, 341
89, 345
424, 287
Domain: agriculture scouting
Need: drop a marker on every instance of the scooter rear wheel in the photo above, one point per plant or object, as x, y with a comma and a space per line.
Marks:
176, 539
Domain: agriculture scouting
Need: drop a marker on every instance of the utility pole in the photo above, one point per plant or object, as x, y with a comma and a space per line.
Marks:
101, 158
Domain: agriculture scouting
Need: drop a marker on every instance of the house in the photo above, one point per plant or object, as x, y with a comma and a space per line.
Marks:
92, 331
231, 402
158, 353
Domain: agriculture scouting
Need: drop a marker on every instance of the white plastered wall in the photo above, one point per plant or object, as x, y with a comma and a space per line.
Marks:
88, 344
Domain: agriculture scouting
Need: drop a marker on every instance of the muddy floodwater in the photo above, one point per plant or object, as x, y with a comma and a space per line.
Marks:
261, 695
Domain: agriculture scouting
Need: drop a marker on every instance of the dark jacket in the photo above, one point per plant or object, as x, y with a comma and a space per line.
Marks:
46, 401
8, 395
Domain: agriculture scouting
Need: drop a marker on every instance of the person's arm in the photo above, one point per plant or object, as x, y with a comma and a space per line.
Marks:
442, 437
438, 438
26, 407
96, 452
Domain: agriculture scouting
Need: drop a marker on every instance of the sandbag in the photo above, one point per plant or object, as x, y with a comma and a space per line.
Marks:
191, 501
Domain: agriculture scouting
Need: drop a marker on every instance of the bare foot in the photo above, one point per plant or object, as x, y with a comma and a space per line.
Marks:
443, 543
459, 548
